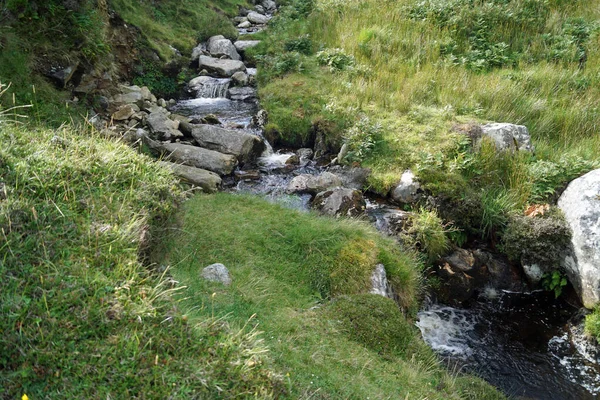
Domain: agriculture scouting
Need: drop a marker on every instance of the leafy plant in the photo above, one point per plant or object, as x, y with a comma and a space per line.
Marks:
361, 139
428, 233
302, 44
335, 59
554, 282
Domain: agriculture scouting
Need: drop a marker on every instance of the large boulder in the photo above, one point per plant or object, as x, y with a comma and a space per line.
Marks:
257, 18
313, 184
340, 202
219, 47
508, 137
580, 204
222, 164
407, 190
244, 146
219, 67
208, 181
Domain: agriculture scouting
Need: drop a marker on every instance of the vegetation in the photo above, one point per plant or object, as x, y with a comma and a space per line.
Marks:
302, 280
427, 72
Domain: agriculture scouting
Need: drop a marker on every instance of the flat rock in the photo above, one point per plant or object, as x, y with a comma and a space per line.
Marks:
162, 127
208, 181
243, 45
246, 94
222, 164
313, 184
340, 202
580, 203
222, 68
125, 112
244, 146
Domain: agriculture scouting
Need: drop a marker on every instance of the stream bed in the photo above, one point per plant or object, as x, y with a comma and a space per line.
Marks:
522, 343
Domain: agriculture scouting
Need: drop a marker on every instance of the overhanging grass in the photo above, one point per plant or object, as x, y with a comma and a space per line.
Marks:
286, 266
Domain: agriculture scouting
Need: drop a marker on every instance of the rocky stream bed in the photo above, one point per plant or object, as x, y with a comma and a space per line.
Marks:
523, 341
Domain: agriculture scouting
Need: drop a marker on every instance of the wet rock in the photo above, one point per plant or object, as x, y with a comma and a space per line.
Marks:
245, 94
293, 160
580, 204
305, 154
380, 284
244, 146
313, 184
407, 190
260, 119
465, 273
240, 79
208, 181
217, 273
209, 87
186, 128
508, 136
211, 119
243, 45
257, 18
222, 164
220, 67
251, 175
393, 222
340, 202
244, 25
219, 46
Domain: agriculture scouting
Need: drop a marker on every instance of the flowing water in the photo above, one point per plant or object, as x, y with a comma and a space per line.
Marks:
521, 343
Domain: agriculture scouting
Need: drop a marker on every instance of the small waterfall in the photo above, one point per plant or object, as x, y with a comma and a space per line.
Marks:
214, 89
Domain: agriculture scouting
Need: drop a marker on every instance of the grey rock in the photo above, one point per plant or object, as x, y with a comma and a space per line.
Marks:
257, 18
260, 9
162, 103
243, 45
63, 75
208, 181
314, 184
260, 119
244, 25
240, 78
217, 273
508, 136
342, 154
198, 51
246, 94
352, 177
222, 164
580, 203
406, 192
240, 19
162, 127
269, 5
380, 283
222, 68
340, 202
305, 154
218, 47
134, 135
244, 146
125, 112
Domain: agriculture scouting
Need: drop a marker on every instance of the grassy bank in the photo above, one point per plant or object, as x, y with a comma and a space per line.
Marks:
301, 280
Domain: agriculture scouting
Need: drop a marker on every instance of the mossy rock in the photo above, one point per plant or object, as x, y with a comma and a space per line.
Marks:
372, 320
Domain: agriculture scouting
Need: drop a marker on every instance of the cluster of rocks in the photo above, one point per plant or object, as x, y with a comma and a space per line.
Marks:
251, 21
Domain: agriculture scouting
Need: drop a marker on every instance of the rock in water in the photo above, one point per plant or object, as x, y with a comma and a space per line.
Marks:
222, 68
245, 94
340, 202
508, 136
208, 181
581, 205
217, 273
406, 192
218, 47
314, 184
257, 18
244, 146
222, 164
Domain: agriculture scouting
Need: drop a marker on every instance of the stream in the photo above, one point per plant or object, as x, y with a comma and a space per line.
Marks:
522, 343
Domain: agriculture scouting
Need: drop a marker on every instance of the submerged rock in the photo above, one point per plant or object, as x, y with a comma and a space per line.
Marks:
508, 136
580, 204
208, 181
217, 273
340, 203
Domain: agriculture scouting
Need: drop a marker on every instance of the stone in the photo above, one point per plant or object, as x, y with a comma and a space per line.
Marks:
269, 5
162, 103
293, 160
240, 19
125, 112
261, 119
198, 51
380, 284
340, 202
244, 25
251, 175
260, 9
162, 127
245, 94
352, 177
244, 146
580, 203
186, 128
243, 45
240, 78
217, 273
508, 137
342, 154
313, 184
305, 154
219, 46
209, 87
222, 68
62, 76
222, 164
256, 18
134, 135
208, 181
407, 190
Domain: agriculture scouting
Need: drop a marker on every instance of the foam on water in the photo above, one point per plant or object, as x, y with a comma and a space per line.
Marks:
447, 330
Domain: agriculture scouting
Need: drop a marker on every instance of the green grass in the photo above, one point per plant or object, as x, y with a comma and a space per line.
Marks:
301, 280
423, 70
